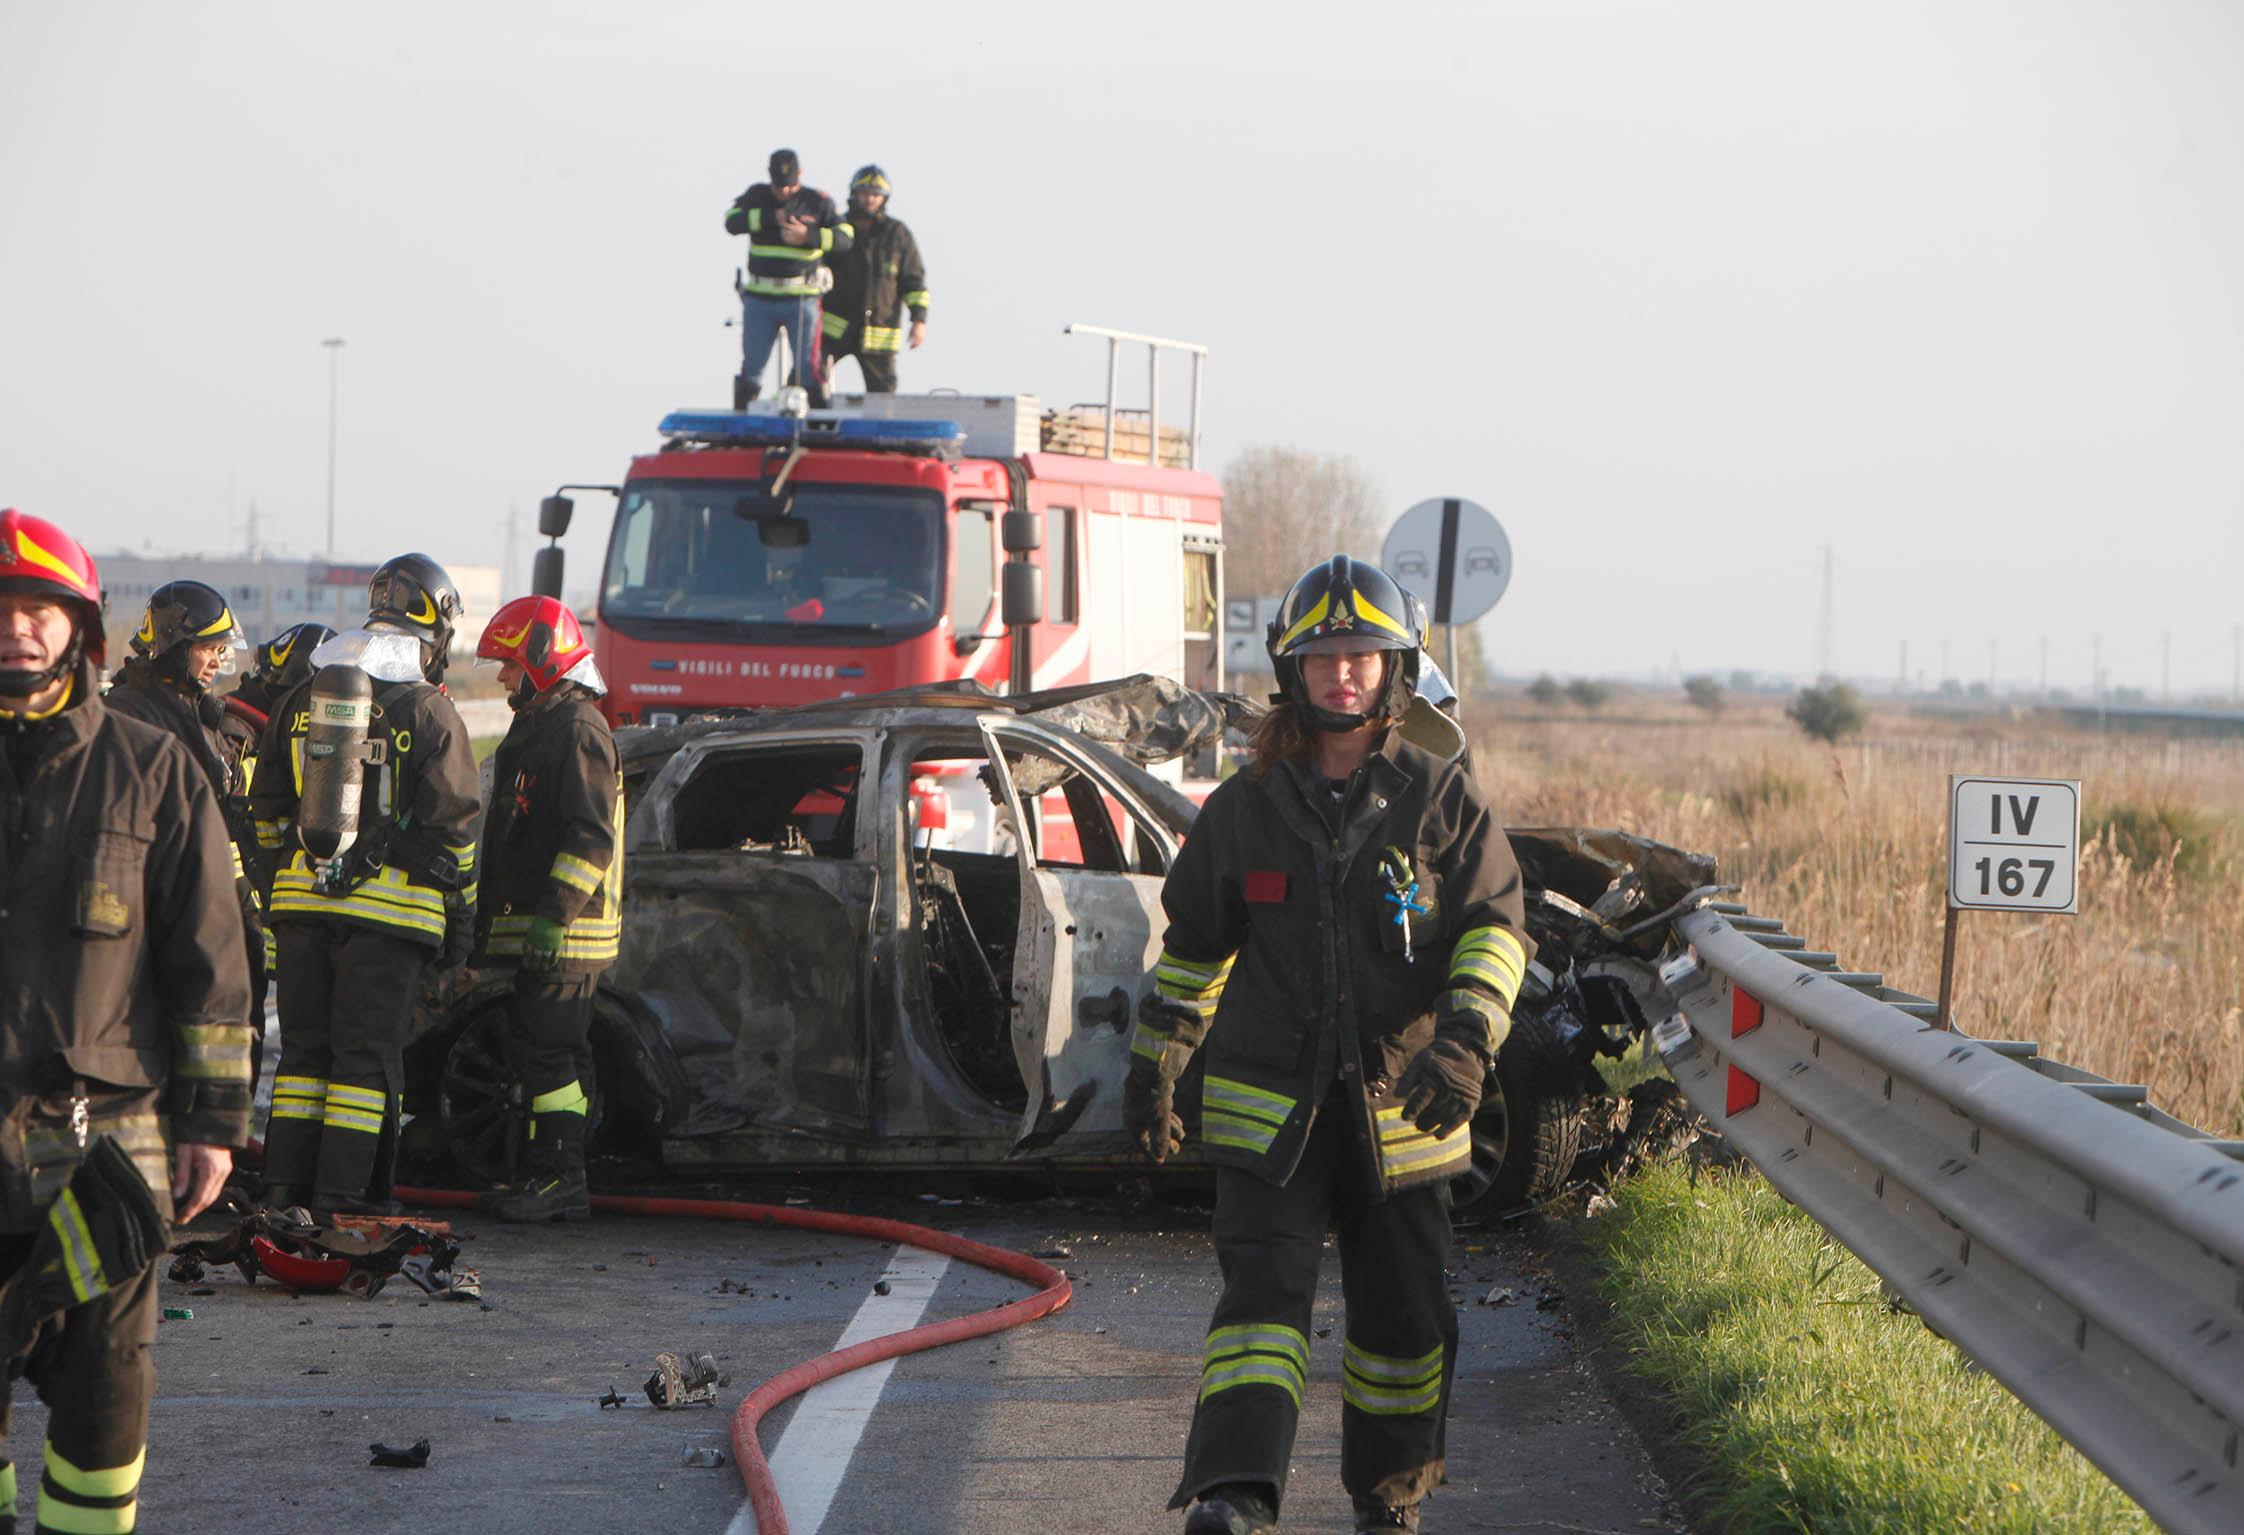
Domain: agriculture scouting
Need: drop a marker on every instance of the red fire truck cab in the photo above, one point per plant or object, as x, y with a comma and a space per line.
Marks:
764, 559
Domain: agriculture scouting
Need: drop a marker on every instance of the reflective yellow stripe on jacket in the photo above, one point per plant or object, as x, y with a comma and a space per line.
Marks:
597, 935
389, 899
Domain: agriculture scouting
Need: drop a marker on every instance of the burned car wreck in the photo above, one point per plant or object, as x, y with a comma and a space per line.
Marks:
912, 930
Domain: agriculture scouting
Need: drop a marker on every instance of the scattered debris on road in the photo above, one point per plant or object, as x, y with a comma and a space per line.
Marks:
355, 1256
704, 1455
614, 1398
412, 1458
688, 1382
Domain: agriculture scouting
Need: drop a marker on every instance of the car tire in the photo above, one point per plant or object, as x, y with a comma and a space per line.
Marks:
1529, 1127
474, 1097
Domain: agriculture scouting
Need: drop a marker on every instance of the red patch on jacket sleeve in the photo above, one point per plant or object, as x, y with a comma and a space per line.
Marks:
1266, 887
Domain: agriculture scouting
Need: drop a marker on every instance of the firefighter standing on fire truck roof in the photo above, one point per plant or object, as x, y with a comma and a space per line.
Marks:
791, 228
1348, 917
551, 876
121, 1029
877, 277
355, 934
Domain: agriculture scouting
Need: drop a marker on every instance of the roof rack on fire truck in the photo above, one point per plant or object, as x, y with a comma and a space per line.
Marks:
735, 428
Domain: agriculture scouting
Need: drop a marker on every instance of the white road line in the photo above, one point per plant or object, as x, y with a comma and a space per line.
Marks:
814, 1453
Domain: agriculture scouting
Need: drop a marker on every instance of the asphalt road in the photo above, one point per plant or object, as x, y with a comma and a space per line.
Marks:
267, 1401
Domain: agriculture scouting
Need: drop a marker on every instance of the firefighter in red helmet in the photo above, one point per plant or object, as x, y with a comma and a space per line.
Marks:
123, 1028
552, 887
1337, 1094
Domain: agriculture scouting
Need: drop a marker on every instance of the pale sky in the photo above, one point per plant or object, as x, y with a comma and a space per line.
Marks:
1681, 292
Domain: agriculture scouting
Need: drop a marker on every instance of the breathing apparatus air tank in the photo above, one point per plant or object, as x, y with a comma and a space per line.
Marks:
336, 753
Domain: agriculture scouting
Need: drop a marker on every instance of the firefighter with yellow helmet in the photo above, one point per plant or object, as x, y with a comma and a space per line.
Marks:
373, 839
552, 887
1346, 935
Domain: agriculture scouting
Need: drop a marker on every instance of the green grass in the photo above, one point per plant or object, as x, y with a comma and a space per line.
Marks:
1638, 1063
1805, 1401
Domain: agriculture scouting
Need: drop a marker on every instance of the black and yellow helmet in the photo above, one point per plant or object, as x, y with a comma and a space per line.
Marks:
1347, 605
414, 593
183, 613
286, 659
870, 178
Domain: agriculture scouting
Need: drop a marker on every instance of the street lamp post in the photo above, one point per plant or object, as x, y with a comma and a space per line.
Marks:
334, 345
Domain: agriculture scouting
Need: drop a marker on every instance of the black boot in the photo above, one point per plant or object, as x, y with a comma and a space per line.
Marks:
743, 390
1235, 1508
1374, 1517
554, 1189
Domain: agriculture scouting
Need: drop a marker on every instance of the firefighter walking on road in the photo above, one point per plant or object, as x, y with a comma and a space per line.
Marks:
791, 228
551, 902
356, 929
878, 277
122, 1029
1346, 934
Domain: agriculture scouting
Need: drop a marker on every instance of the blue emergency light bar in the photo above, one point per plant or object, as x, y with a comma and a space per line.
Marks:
730, 428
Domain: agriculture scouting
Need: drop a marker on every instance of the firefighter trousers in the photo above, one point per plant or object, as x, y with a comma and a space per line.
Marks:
1400, 1342
548, 1048
92, 1367
346, 1004
878, 368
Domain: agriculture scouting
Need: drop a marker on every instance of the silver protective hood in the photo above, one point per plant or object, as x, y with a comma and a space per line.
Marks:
384, 655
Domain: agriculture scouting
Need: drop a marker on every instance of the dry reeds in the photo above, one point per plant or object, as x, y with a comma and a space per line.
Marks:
2145, 984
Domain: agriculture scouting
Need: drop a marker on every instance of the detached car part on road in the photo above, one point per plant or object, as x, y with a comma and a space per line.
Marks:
912, 930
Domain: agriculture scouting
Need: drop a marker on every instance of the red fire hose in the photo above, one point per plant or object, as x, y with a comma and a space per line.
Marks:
755, 1471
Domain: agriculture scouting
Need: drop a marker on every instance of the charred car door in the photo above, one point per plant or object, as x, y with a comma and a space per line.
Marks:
1091, 859
750, 892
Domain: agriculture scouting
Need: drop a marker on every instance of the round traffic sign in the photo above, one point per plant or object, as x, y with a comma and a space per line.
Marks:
1453, 554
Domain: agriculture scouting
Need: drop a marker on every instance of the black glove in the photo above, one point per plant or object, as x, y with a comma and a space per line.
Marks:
1149, 1108
459, 933
1441, 1087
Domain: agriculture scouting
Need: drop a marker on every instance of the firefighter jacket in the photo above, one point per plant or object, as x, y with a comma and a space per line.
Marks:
775, 268
553, 839
124, 990
1315, 943
876, 279
202, 726
415, 852
138, 692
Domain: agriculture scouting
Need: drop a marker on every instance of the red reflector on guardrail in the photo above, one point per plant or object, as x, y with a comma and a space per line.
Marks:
1745, 1012
1743, 1094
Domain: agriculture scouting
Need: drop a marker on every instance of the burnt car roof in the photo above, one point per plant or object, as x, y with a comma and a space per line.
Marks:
1154, 716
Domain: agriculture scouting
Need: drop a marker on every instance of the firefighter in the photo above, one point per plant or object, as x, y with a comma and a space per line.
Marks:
551, 882
1345, 933
356, 932
123, 1022
791, 228
877, 278
187, 637
280, 664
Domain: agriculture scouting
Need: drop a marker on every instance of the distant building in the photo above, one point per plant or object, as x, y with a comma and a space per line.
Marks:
268, 595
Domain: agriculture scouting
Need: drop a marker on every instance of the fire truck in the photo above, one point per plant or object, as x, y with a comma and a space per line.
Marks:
780, 556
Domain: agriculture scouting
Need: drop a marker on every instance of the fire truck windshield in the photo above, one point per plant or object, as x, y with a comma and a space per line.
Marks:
712, 555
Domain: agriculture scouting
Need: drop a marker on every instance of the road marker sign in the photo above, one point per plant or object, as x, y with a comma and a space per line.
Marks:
2013, 845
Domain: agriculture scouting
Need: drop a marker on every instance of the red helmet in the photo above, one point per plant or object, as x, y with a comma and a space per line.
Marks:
542, 636
37, 556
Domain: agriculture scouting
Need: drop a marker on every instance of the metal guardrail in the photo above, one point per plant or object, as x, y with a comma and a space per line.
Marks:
2084, 1248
